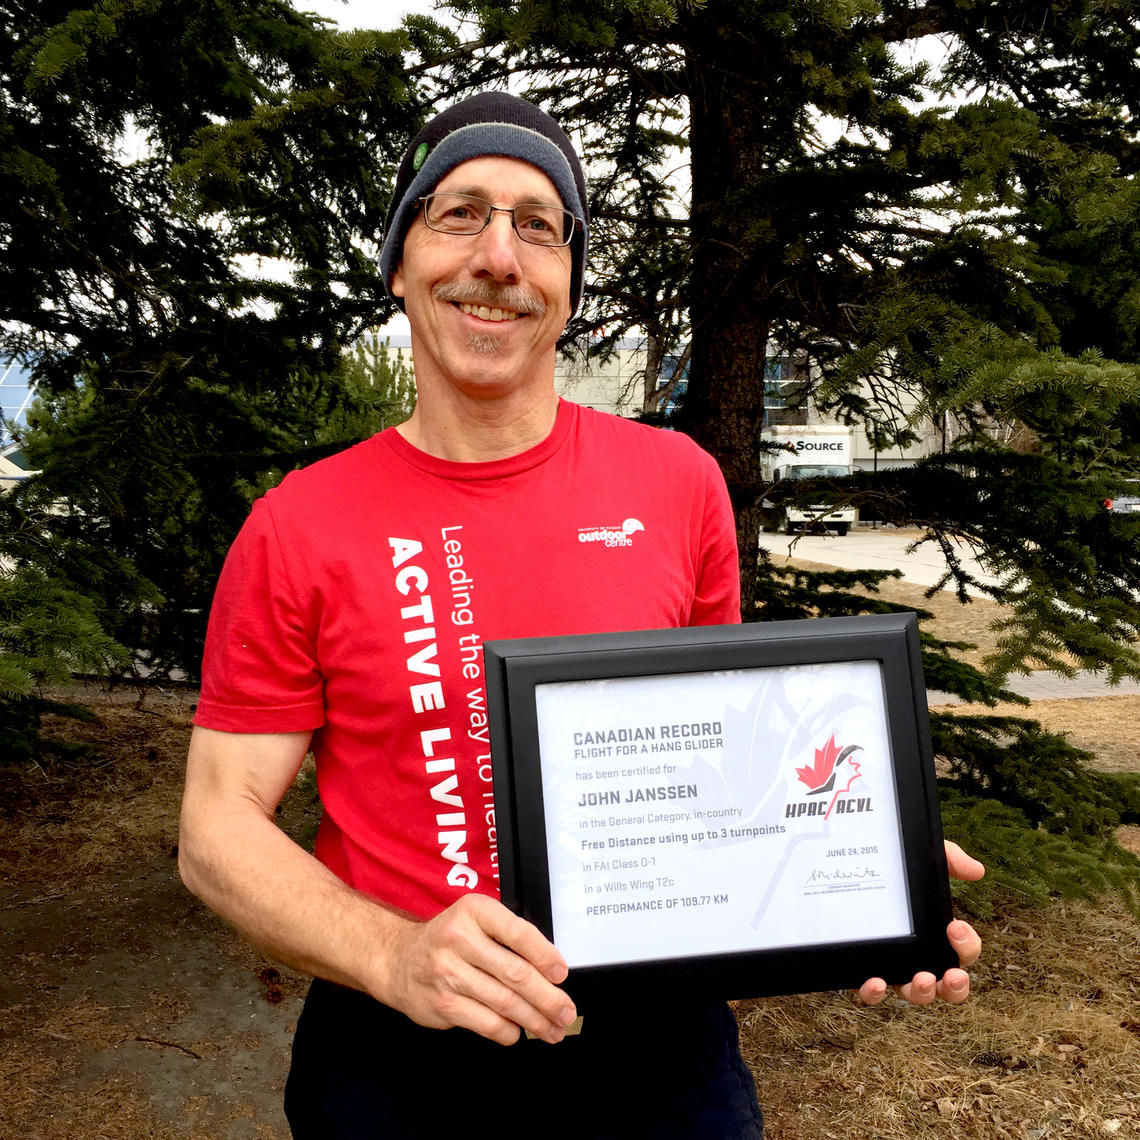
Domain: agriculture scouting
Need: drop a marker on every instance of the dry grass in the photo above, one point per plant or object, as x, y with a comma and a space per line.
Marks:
1109, 727
41, 1051
1048, 1047
111, 799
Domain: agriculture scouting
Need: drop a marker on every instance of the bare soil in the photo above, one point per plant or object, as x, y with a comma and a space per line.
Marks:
129, 1011
951, 620
126, 1008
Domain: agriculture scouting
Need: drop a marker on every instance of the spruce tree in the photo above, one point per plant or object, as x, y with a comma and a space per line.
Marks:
922, 230
960, 240
193, 196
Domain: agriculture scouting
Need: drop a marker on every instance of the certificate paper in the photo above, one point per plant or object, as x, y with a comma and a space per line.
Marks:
737, 810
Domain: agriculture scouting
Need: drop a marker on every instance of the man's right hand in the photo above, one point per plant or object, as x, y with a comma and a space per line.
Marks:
479, 966
475, 965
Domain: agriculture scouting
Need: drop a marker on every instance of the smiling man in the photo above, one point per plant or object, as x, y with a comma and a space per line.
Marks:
349, 619
504, 298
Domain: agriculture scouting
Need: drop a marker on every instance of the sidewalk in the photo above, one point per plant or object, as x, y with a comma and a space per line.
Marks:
868, 549
865, 548
1045, 686
1042, 685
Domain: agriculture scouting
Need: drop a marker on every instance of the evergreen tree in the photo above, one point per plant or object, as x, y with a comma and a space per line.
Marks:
47, 632
965, 237
193, 194
373, 373
871, 217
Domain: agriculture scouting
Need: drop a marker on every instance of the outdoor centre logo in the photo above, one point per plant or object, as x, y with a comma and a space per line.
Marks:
830, 777
611, 535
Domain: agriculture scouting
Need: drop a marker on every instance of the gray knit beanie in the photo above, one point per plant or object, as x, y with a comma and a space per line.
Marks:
491, 123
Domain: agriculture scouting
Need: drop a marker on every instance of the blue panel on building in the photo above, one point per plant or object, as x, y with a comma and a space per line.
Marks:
15, 396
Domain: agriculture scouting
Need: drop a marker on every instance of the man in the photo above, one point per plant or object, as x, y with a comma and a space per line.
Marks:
349, 619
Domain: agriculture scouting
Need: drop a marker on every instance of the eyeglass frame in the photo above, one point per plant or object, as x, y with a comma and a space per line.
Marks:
572, 229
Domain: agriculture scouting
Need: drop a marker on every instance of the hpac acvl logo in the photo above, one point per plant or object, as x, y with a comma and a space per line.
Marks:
830, 777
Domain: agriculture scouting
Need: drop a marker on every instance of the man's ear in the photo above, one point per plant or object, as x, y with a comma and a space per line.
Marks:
396, 288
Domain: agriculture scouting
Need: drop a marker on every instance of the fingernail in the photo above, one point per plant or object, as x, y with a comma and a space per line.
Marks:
566, 1016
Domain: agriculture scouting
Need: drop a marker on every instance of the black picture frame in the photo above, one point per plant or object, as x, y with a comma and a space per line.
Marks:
675, 659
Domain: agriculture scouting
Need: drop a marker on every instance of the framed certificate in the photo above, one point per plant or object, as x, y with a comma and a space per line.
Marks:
734, 810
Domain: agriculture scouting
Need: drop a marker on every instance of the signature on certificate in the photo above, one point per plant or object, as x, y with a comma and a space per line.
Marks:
844, 875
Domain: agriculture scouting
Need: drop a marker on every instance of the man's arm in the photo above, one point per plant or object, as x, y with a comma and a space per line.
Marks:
954, 985
475, 965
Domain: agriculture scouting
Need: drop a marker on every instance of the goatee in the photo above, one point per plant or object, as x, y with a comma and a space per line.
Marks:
486, 344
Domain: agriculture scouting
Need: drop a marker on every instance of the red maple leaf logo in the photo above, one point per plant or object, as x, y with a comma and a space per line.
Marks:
821, 771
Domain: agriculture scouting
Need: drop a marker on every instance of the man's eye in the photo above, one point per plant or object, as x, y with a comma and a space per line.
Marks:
456, 211
536, 223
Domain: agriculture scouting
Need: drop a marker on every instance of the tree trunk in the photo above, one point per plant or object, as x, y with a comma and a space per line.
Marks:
654, 356
730, 285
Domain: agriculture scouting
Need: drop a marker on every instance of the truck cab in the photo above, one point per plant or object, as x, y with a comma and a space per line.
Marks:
807, 453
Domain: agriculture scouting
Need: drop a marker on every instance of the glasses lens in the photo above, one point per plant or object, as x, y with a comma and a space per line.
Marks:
456, 213
543, 225
534, 222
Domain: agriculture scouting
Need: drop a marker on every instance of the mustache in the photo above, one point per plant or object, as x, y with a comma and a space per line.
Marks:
493, 296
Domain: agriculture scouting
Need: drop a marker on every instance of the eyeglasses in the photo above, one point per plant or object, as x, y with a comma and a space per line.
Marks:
467, 215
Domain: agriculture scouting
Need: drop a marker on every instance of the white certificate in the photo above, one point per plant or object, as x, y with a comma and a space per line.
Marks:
743, 810
737, 810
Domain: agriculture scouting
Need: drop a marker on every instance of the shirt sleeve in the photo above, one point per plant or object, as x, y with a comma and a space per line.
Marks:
716, 599
260, 671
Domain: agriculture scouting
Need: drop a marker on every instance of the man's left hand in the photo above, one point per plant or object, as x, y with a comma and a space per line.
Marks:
954, 985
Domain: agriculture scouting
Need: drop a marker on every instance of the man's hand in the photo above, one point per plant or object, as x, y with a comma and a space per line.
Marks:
955, 983
478, 966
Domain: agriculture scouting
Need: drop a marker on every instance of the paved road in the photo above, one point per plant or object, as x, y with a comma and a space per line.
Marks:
1044, 686
867, 549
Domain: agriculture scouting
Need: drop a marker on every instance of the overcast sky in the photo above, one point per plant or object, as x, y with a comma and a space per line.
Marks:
364, 13
382, 14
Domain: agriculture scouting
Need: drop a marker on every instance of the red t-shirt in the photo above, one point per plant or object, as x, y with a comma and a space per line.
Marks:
356, 599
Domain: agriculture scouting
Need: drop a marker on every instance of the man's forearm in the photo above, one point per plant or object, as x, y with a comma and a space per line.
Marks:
284, 900
475, 965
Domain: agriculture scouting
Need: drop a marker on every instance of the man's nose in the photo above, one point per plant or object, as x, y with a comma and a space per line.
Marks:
496, 249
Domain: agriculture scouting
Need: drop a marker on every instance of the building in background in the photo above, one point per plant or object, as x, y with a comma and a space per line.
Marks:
16, 392
617, 385
13, 466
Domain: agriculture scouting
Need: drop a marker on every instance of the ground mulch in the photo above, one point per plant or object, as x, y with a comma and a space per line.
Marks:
128, 1011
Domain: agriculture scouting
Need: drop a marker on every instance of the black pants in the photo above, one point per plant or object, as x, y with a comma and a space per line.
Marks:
361, 1070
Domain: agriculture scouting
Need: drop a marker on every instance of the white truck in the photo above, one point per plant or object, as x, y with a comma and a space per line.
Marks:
808, 452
